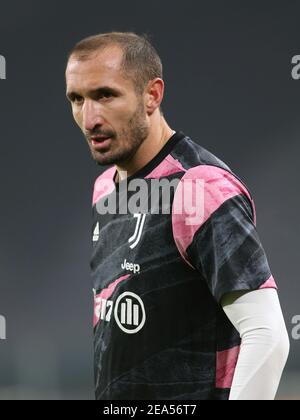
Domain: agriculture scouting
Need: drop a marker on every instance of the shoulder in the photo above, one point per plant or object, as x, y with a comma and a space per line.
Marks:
204, 193
191, 154
203, 190
217, 183
217, 180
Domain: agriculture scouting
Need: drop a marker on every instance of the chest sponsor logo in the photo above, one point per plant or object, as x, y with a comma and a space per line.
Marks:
128, 311
135, 268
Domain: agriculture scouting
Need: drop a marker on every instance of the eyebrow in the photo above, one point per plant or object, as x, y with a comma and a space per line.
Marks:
98, 91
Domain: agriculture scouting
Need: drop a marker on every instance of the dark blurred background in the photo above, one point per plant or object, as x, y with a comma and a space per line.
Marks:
228, 74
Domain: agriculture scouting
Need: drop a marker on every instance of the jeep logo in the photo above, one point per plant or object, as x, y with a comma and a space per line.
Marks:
135, 268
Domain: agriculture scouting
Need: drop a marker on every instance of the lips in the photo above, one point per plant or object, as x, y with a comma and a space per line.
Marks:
101, 143
99, 139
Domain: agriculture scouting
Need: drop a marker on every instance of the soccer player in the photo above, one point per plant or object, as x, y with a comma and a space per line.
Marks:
186, 307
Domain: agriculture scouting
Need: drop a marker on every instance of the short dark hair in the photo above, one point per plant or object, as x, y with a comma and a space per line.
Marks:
141, 62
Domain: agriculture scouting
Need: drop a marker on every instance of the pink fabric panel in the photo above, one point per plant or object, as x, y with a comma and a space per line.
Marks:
104, 185
269, 284
226, 364
207, 188
168, 166
105, 294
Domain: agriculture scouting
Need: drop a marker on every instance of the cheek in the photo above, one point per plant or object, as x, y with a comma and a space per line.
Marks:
77, 117
122, 111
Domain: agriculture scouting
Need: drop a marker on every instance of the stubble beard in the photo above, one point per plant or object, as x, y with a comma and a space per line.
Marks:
133, 137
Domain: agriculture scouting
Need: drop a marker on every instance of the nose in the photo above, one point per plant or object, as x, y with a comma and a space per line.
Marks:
92, 116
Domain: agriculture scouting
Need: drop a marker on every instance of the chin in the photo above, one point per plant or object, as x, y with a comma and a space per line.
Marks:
104, 161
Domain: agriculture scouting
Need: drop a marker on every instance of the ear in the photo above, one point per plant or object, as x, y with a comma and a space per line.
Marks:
154, 95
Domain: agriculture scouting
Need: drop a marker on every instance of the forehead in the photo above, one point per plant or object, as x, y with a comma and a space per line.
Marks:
102, 68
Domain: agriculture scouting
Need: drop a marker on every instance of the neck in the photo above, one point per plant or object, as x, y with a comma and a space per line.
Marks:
156, 140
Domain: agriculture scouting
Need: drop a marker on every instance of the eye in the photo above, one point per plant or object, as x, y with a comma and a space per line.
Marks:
105, 95
77, 99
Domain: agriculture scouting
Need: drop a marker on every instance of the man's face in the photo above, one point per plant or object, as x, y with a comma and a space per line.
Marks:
106, 106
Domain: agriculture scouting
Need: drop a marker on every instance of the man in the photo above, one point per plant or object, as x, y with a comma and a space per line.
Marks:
185, 307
